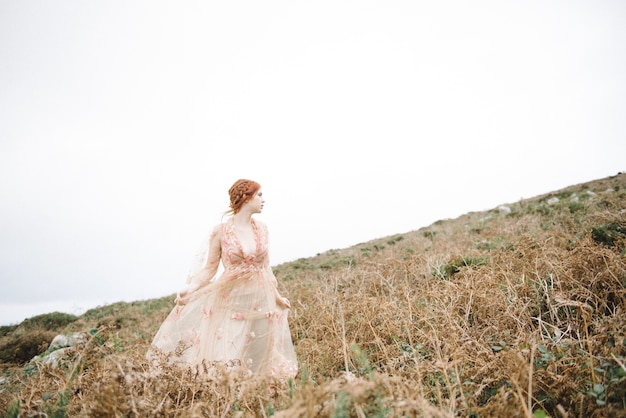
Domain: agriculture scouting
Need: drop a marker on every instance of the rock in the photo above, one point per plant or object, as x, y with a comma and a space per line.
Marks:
54, 358
504, 209
58, 348
553, 200
61, 341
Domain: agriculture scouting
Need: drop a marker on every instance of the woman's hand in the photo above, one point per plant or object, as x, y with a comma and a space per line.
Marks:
284, 302
183, 296
180, 299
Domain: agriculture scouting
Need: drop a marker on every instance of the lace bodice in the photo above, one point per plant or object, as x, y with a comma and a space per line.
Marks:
233, 254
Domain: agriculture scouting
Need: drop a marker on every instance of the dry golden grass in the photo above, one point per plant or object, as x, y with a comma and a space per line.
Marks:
487, 315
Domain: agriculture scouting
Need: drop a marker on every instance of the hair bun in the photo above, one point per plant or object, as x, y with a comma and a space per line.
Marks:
240, 192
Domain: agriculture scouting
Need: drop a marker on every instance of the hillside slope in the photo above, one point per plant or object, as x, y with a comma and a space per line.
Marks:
515, 311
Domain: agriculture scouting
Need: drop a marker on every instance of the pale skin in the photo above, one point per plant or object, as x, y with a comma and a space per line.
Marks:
242, 221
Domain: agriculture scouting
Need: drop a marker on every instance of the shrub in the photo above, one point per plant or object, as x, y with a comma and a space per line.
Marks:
608, 234
23, 348
7, 329
49, 321
452, 267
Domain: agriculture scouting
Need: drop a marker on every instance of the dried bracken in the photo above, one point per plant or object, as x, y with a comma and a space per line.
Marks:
498, 313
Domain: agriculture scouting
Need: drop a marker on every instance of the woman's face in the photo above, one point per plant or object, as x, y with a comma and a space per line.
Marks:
256, 202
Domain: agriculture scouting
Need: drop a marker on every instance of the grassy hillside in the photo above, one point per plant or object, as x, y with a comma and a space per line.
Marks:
515, 311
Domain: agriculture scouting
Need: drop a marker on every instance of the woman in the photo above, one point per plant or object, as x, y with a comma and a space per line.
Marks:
240, 319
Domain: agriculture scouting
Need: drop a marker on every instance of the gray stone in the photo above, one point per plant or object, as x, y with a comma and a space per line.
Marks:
504, 209
553, 200
61, 341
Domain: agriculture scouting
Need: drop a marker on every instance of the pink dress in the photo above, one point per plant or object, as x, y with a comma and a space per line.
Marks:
234, 320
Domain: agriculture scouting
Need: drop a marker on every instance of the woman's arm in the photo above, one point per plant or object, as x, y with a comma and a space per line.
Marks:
208, 270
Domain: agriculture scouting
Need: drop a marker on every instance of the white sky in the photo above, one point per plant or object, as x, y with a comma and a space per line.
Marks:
123, 124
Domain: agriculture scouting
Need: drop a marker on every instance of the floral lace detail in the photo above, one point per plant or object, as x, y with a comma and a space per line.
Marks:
207, 312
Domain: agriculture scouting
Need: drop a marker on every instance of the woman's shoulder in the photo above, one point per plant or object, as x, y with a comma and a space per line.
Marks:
216, 231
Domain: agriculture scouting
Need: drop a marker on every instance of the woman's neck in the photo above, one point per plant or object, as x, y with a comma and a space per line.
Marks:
242, 219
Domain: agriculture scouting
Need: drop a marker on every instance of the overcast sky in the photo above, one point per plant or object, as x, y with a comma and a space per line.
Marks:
124, 123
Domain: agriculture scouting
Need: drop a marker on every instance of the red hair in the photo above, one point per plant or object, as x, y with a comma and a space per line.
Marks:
240, 192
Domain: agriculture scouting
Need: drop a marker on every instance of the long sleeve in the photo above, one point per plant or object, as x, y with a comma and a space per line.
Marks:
210, 261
